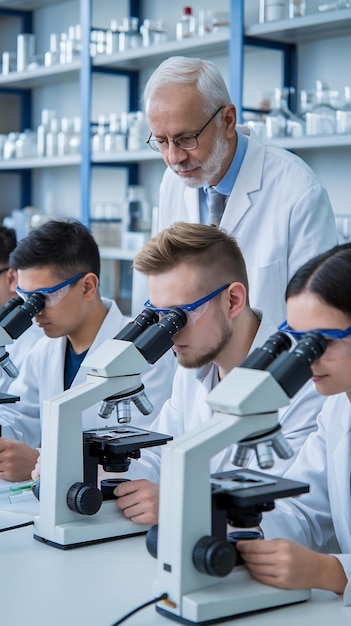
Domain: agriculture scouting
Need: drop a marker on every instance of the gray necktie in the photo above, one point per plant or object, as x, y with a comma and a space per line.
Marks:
216, 205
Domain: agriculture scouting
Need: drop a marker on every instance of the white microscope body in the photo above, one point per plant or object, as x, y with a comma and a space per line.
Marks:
244, 404
114, 370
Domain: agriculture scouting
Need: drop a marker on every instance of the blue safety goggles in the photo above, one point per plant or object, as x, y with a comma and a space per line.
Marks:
194, 310
54, 294
328, 333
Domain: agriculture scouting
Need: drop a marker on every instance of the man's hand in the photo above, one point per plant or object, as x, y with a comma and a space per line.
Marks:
16, 460
288, 565
36, 471
138, 499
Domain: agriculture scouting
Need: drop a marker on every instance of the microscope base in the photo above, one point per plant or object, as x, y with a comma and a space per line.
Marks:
237, 594
108, 524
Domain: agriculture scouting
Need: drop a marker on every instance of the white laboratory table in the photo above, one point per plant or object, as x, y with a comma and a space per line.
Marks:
96, 585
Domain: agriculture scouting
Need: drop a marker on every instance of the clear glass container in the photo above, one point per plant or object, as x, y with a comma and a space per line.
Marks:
26, 145
98, 139
64, 136
138, 210
129, 35
272, 10
136, 131
322, 119
75, 138
186, 26
281, 122
52, 137
10, 146
343, 115
115, 139
297, 8
46, 116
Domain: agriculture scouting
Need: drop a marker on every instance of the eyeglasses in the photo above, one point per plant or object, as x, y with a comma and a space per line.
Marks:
193, 311
4, 269
339, 341
54, 294
184, 142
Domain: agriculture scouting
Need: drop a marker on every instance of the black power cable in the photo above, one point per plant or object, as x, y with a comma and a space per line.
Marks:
163, 596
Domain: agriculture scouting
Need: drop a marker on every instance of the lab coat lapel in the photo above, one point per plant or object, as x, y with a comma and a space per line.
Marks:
191, 199
248, 180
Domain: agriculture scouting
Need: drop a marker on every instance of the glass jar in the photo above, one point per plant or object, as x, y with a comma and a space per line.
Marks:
281, 122
10, 146
272, 10
322, 119
343, 115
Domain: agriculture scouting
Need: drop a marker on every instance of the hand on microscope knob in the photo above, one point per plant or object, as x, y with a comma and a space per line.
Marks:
16, 460
139, 501
288, 565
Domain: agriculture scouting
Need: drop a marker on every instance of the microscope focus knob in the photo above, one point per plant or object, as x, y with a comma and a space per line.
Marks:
151, 540
84, 499
213, 556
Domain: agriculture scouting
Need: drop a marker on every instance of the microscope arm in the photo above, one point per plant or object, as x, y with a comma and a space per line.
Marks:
186, 515
115, 367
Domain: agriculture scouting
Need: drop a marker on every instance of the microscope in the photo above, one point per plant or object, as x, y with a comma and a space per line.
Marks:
15, 317
74, 510
198, 567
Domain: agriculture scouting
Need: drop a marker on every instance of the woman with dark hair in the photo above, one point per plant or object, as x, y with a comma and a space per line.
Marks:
316, 549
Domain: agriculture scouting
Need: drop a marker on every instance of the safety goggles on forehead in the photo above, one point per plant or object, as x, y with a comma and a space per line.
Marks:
339, 341
194, 310
54, 294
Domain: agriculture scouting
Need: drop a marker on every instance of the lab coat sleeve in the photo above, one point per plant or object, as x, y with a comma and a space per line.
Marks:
21, 421
306, 519
312, 227
170, 422
345, 560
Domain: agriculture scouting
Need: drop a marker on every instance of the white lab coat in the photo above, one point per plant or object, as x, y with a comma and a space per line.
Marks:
278, 212
187, 409
321, 519
18, 351
42, 378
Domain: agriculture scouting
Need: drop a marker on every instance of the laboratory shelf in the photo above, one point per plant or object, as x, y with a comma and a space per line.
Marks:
132, 156
307, 143
325, 25
40, 162
138, 58
40, 76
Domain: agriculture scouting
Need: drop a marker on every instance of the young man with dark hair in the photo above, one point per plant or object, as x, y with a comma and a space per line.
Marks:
61, 261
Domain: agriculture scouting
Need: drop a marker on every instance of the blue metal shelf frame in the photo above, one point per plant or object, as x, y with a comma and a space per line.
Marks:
236, 53
25, 96
86, 73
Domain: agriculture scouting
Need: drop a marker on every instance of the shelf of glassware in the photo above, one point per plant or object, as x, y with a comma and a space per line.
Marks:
137, 156
324, 25
136, 58
318, 141
215, 43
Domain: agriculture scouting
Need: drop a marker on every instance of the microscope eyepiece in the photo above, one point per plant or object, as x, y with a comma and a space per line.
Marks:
291, 370
157, 339
133, 329
21, 318
261, 357
11, 304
